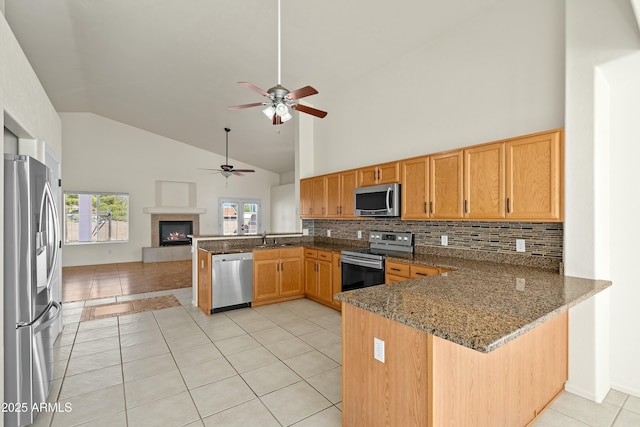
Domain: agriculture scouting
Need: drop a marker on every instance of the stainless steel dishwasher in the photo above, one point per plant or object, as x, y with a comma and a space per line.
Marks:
231, 281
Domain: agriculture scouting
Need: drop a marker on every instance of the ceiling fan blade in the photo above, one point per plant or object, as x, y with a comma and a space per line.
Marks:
240, 107
310, 110
209, 169
253, 88
243, 170
302, 92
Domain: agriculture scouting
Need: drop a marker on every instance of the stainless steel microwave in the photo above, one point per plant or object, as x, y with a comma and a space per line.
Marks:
378, 200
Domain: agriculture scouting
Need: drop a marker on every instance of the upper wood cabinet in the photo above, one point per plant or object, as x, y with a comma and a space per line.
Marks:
319, 205
415, 188
517, 179
534, 177
386, 173
484, 182
339, 194
313, 197
445, 185
306, 197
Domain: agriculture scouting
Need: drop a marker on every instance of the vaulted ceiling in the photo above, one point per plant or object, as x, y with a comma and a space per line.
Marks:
172, 67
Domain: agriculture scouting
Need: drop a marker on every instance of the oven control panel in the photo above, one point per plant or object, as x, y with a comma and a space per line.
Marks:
391, 238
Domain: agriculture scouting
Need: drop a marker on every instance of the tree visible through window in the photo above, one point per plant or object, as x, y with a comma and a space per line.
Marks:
96, 217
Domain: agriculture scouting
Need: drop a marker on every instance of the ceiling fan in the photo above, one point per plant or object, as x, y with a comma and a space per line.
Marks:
227, 170
280, 98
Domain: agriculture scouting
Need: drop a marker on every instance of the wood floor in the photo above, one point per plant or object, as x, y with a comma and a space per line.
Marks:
111, 280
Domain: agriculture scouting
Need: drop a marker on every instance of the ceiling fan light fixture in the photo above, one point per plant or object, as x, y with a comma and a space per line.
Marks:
226, 174
283, 111
269, 112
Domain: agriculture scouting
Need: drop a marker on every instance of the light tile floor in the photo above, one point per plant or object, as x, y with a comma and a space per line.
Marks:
277, 365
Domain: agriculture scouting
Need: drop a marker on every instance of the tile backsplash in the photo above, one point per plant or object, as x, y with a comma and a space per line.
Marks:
542, 239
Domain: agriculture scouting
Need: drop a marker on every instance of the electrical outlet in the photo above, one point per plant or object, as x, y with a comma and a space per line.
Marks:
328, 233
359, 234
378, 349
520, 246
444, 240
520, 283
305, 231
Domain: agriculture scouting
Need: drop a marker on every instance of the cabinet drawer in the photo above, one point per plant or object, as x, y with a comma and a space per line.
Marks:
324, 255
397, 269
418, 271
310, 253
266, 254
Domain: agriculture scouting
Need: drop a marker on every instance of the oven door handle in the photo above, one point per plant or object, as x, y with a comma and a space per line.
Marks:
346, 259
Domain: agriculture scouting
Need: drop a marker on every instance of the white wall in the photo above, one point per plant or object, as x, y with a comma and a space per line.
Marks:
104, 155
498, 76
283, 209
624, 105
27, 111
597, 31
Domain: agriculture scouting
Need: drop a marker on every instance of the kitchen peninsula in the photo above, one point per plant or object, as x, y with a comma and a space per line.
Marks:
485, 344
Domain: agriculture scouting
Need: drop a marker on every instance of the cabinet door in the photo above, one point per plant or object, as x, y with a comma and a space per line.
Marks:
291, 276
389, 173
534, 177
347, 194
204, 281
336, 280
333, 195
484, 176
367, 176
446, 185
266, 275
324, 280
319, 197
415, 188
306, 197
310, 277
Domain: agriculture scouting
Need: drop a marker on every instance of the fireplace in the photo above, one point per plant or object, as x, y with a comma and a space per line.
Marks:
174, 233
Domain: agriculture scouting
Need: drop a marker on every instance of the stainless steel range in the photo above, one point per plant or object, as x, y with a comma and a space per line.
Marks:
365, 267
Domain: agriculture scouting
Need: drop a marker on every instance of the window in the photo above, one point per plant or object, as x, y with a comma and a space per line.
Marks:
239, 216
96, 217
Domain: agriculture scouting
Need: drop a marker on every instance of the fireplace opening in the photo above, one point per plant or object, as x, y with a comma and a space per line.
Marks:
173, 233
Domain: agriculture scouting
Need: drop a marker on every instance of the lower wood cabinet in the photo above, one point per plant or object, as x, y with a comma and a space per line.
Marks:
336, 282
319, 276
204, 281
277, 275
429, 381
400, 271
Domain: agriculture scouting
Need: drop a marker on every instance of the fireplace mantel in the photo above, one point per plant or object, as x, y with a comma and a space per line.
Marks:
174, 210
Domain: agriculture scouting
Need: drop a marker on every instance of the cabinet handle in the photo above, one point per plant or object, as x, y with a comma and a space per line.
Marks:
278, 267
281, 266
508, 205
465, 207
430, 207
425, 207
378, 174
394, 269
421, 274
323, 210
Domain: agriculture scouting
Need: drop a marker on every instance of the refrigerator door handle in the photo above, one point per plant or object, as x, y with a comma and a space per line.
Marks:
48, 202
44, 313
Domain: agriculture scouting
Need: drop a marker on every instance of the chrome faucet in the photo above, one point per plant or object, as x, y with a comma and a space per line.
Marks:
264, 238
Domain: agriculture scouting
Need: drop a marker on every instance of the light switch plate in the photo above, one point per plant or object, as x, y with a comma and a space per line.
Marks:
359, 234
520, 246
328, 233
444, 240
378, 349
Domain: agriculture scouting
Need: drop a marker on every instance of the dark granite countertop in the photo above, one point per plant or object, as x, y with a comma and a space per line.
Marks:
481, 305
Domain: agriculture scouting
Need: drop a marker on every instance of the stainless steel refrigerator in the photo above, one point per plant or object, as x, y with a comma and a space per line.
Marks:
31, 248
